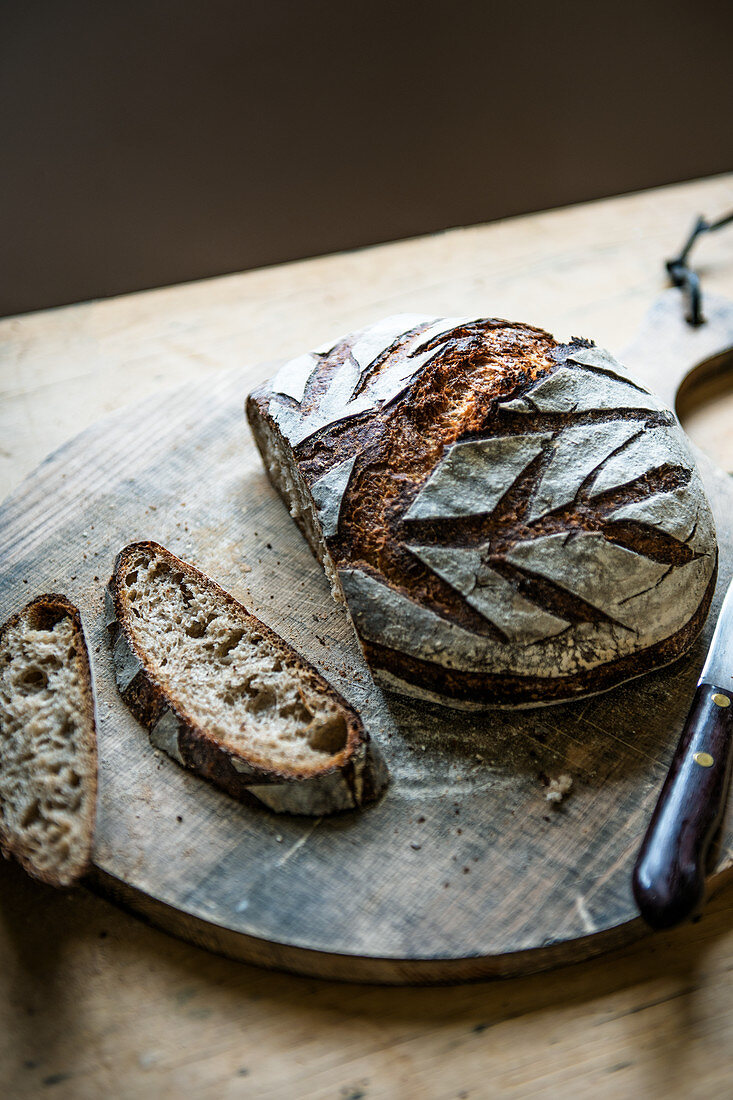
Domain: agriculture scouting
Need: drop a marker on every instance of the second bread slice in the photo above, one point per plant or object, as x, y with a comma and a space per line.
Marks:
225, 696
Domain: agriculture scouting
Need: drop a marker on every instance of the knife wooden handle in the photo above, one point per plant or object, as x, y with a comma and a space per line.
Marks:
669, 876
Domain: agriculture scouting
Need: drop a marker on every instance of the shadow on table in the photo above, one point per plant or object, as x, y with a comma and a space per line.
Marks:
92, 992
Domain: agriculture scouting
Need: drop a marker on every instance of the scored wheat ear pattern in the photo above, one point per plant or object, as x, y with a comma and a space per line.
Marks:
509, 520
567, 508
552, 492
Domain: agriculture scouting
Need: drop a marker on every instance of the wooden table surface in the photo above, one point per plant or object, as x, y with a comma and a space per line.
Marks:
93, 1002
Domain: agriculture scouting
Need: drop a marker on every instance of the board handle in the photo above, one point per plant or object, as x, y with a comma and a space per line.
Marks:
669, 875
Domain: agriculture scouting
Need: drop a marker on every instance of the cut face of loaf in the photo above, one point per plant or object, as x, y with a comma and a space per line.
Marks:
509, 520
225, 696
48, 743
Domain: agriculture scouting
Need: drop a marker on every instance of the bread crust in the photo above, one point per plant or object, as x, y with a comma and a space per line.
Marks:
42, 613
478, 691
482, 588
352, 778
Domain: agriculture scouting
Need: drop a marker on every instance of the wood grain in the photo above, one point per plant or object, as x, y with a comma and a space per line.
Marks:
93, 1002
464, 869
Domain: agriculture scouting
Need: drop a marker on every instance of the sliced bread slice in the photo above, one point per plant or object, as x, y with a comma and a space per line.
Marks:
48, 742
225, 696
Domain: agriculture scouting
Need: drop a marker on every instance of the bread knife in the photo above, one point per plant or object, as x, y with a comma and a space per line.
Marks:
669, 875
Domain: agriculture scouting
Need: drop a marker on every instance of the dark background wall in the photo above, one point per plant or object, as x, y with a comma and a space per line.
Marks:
147, 142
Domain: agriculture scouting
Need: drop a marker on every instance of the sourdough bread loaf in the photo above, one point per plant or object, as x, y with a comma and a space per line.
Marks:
509, 520
48, 742
225, 696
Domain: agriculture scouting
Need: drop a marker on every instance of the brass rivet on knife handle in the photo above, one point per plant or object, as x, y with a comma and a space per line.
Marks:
668, 880
669, 876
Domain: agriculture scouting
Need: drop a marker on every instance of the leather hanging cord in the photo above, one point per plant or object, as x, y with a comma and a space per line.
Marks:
684, 277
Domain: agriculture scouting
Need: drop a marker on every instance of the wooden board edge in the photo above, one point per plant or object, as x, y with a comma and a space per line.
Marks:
370, 970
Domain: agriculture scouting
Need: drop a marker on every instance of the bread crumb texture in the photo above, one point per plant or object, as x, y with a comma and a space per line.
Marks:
225, 671
559, 788
47, 763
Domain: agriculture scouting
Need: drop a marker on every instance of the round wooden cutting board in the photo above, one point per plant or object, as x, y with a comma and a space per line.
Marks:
464, 869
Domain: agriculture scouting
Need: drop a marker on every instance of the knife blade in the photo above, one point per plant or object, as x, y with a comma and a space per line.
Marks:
669, 875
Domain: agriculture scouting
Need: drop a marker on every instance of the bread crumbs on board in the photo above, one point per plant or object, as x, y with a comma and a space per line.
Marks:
559, 788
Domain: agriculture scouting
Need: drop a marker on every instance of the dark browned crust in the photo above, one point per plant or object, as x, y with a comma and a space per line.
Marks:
43, 613
148, 699
493, 690
398, 447
481, 365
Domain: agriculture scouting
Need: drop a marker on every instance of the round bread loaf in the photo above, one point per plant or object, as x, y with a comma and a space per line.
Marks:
509, 520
